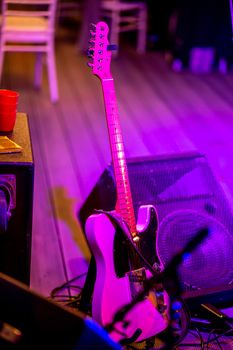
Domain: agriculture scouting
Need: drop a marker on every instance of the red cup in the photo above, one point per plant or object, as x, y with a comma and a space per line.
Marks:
7, 121
8, 109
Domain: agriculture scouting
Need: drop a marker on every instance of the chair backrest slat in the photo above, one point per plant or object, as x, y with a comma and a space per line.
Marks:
30, 8
30, 2
28, 14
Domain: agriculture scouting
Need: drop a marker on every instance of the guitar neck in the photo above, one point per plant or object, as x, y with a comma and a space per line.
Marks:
124, 205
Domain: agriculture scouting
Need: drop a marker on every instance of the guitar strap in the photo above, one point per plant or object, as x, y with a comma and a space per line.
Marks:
88, 288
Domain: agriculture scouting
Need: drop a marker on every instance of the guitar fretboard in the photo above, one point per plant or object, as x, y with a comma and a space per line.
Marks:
124, 205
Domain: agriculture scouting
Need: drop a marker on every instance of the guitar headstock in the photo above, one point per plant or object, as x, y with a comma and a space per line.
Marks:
100, 51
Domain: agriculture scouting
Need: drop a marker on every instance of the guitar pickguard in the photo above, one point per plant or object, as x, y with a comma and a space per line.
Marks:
146, 244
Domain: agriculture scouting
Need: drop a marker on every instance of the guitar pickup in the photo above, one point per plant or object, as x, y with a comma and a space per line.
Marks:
136, 281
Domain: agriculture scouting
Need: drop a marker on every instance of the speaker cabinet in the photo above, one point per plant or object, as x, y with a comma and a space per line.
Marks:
16, 183
187, 197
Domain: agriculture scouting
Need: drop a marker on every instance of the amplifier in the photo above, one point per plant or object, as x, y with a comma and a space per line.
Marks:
16, 183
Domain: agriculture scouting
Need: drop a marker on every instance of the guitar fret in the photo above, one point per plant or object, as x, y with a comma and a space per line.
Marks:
123, 189
125, 204
119, 146
117, 151
120, 167
125, 200
121, 172
122, 185
115, 139
112, 133
119, 156
123, 180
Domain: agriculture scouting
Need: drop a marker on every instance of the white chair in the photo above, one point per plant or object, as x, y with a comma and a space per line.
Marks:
126, 16
28, 26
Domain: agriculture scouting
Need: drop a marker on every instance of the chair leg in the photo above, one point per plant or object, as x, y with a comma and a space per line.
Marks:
2, 53
38, 70
52, 75
142, 31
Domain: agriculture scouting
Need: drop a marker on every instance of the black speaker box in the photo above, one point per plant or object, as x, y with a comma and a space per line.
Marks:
16, 182
187, 197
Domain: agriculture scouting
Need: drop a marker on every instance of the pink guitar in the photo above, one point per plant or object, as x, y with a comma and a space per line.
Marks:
120, 270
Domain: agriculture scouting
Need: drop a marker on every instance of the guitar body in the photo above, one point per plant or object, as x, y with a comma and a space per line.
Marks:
112, 292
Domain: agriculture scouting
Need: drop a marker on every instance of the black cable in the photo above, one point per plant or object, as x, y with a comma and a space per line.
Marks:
66, 285
209, 340
185, 345
217, 336
68, 299
202, 343
219, 345
199, 336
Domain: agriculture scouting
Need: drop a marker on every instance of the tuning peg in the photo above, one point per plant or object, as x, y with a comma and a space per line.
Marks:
111, 47
93, 26
92, 34
91, 42
90, 53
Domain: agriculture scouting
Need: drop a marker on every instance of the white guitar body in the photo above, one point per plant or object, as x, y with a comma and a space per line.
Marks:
112, 293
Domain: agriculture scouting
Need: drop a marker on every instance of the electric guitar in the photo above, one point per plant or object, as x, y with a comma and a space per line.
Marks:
120, 271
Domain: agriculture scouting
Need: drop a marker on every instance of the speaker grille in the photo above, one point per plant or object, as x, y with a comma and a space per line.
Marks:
209, 264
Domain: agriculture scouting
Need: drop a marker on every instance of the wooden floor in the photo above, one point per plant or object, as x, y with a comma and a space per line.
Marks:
161, 112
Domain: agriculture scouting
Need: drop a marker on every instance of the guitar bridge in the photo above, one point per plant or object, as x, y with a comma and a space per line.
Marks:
136, 279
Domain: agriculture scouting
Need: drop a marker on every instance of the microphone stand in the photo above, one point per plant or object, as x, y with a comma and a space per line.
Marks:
169, 278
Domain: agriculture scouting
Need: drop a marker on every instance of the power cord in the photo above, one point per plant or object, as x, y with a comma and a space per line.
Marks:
58, 293
216, 339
